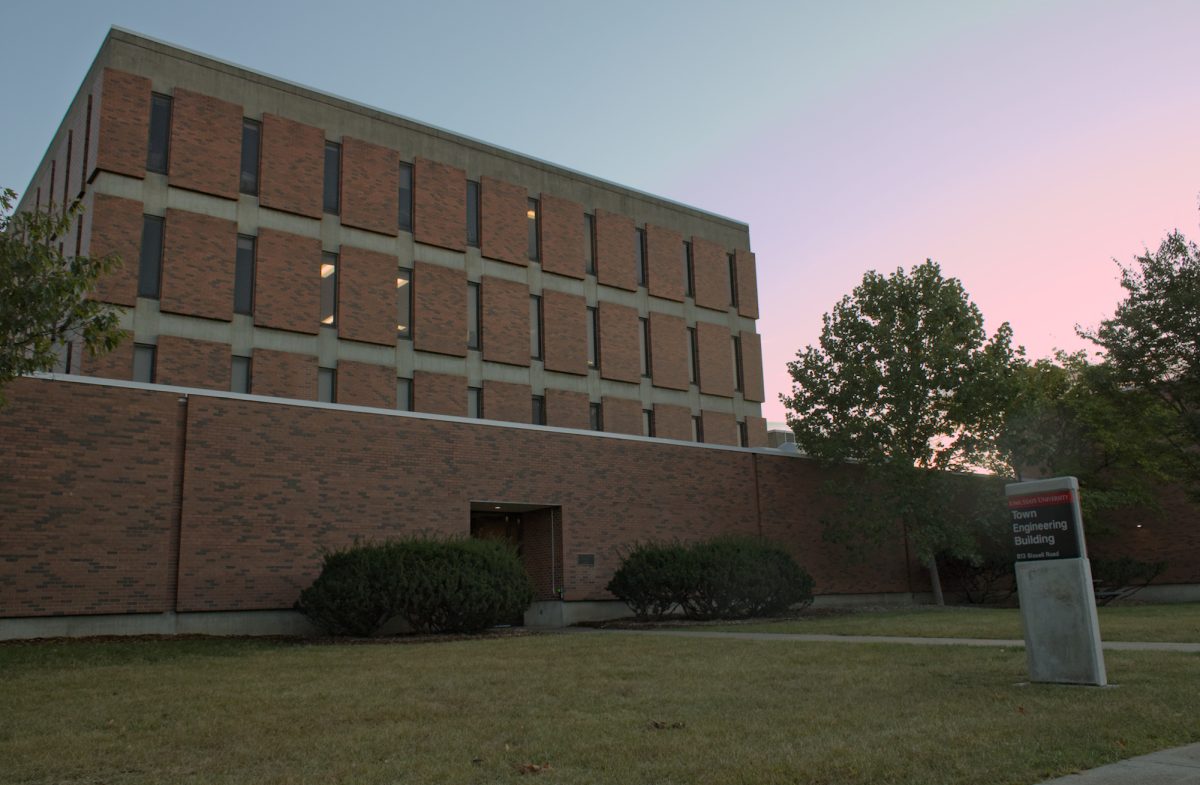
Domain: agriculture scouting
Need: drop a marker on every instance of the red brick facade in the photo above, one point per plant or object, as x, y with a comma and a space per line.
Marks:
615, 240
504, 234
363, 384
622, 415
565, 335
366, 296
711, 266
188, 363
620, 345
287, 282
284, 374
505, 321
565, 409
752, 373
756, 431
439, 310
199, 253
747, 276
123, 110
370, 186
562, 236
439, 205
439, 393
113, 225
716, 359
668, 351
719, 427
664, 263
206, 144
507, 401
117, 364
672, 422
292, 166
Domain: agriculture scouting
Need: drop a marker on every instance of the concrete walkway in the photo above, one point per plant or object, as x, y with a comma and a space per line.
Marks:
1180, 766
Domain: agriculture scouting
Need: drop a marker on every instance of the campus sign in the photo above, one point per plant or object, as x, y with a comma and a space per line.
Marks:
1046, 525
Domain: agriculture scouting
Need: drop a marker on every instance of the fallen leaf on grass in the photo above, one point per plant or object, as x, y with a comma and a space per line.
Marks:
1021, 710
531, 768
662, 725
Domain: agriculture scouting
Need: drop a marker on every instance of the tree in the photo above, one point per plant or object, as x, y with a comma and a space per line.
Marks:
905, 382
43, 292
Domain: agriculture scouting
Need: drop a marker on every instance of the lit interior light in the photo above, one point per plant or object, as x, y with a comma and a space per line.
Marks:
327, 270
531, 214
497, 506
401, 282
328, 319
402, 327
1139, 525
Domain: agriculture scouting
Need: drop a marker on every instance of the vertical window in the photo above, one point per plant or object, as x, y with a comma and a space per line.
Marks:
697, 429
647, 422
404, 401
243, 276
474, 332
533, 215
472, 213
475, 402
144, 356
333, 177
406, 197
593, 337
326, 385
596, 417
329, 263
150, 261
160, 133
535, 326
733, 292
644, 345
689, 271
403, 303
693, 357
539, 410
639, 255
737, 363
67, 169
743, 435
251, 134
239, 379
87, 143
589, 243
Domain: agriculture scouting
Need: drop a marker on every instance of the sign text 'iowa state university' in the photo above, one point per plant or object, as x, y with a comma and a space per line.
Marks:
1044, 526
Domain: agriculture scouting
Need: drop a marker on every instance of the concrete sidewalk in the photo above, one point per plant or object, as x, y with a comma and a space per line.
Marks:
1180, 766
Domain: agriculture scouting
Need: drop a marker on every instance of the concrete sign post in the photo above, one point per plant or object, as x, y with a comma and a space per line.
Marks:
1054, 582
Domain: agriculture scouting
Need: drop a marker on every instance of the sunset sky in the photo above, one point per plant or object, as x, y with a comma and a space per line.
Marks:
1023, 145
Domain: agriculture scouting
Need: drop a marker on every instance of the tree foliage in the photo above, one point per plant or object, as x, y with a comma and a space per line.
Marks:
43, 292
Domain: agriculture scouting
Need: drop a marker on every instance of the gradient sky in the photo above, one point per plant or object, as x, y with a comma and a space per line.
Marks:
1023, 145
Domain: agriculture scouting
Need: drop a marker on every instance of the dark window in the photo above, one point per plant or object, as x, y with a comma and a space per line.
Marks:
67, 169
474, 306
596, 420
535, 326
475, 402
533, 215
689, 271
539, 410
743, 435
404, 392
737, 363
87, 143
243, 276
406, 197
472, 213
644, 345
326, 385
697, 429
251, 134
403, 303
647, 422
333, 177
150, 262
160, 133
733, 292
240, 377
144, 356
693, 357
593, 337
640, 256
589, 243
329, 262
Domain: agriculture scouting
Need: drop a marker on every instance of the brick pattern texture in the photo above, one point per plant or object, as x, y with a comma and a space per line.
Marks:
439, 393
370, 186
504, 234
82, 149
716, 359
506, 328
622, 415
565, 337
541, 551
364, 384
562, 236
615, 240
620, 345
747, 283
123, 130
507, 401
284, 374
113, 225
439, 205
756, 431
752, 368
287, 282
711, 265
672, 422
199, 256
664, 263
367, 299
566, 409
668, 351
439, 310
189, 363
206, 144
117, 364
719, 427
292, 166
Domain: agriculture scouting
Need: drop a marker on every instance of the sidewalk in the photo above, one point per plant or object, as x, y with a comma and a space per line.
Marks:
1180, 766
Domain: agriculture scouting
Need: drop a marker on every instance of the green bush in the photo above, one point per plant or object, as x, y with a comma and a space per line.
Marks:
731, 577
458, 585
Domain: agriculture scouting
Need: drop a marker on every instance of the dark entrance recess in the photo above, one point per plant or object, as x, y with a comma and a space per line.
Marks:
535, 531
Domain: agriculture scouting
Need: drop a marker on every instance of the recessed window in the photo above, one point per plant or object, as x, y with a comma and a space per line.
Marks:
239, 378
639, 242
403, 303
406, 197
474, 316
689, 271
737, 363
144, 361
593, 337
535, 327
697, 429
333, 177
475, 402
150, 260
539, 410
596, 417
743, 435
251, 141
243, 276
160, 133
644, 345
533, 214
733, 290
589, 243
647, 422
693, 357
472, 213
329, 262
404, 393
326, 385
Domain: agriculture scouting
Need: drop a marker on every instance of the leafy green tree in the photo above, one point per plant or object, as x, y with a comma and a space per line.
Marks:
43, 292
904, 381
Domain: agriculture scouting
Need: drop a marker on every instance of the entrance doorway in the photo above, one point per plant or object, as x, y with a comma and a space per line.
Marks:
534, 531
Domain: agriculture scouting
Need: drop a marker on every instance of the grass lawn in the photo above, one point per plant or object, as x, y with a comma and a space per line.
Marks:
598, 708
1179, 623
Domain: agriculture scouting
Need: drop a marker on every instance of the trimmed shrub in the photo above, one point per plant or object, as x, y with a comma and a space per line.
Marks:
459, 585
653, 578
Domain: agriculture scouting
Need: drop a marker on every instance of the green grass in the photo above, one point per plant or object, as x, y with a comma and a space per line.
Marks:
1178, 623
231, 711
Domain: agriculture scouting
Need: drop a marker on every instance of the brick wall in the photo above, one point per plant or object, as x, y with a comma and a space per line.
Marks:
506, 328
668, 351
620, 352
562, 236
672, 422
370, 186
622, 415
113, 225
752, 368
565, 336
711, 266
756, 431
292, 166
505, 401
716, 359
284, 374
719, 427
566, 409
367, 302
117, 364
541, 551
747, 284
439, 310
199, 255
664, 262
287, 282
439, 393
504, 232
206, 144
364, 384
439, 205
615, 240
123, 129
190, 363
